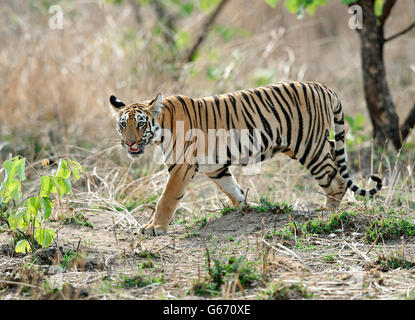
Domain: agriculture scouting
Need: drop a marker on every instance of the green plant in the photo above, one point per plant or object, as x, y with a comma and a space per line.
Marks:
283, 291
78, 219
388, 224
27, 219
68, 258
355, 136
139, 281
265, 205
224, 268
317, 226
394, 261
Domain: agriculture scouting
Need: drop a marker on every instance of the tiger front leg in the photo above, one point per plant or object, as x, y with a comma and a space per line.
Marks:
173, 191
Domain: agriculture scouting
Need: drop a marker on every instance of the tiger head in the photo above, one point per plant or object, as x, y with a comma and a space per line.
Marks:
137, 123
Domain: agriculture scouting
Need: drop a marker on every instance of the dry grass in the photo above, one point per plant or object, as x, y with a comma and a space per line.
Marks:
55, 86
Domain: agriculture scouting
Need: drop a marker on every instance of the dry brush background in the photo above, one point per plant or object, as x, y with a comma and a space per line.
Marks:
54, 89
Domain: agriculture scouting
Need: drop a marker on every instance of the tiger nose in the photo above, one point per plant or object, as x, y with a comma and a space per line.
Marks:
129, 143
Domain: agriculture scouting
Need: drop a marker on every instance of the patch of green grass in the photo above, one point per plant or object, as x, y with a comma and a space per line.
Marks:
301, 245
394, 261
377, 223
145, 253
227, 210
139, 280
78, 219
68, 258
265, 205
329, 258
203, 288
390, 226
335, 222
223, 268
284, 291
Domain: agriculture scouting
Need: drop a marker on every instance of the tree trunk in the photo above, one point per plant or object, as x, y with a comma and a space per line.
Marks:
378, 98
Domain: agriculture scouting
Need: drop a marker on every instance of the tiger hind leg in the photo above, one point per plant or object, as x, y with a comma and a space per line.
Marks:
334, 192
225, 181
325, 172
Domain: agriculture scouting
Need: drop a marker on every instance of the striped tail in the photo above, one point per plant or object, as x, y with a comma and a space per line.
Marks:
341, 154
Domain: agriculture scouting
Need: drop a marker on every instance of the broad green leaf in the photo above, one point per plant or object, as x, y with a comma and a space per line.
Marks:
15, 166
359, 121
312, 7
46, 205
44, 236
76, 169
23, 246
11, 187
15, 190
207, 5
61, 186
20, 166
33, 205
63, 170
378, 7
187, 8
349, 1
349, 120
272, 3
45, 186
182, 39
68, 186
19, 220
292, 6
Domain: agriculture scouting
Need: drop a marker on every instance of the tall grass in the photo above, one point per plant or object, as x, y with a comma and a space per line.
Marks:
55, 86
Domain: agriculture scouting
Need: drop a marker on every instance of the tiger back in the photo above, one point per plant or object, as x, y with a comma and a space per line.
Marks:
244, 127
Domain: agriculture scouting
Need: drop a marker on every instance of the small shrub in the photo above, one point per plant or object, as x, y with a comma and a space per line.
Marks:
27, 219
265, 205
284, 291
139, 281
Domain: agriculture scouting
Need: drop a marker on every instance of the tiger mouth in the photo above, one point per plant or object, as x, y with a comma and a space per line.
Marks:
138, 150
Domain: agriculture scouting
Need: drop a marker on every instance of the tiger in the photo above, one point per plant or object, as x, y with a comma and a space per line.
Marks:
290, 117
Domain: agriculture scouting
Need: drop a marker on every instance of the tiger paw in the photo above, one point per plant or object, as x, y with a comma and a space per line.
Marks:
153, 230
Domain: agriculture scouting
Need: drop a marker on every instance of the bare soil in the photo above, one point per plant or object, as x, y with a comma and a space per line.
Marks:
330, 266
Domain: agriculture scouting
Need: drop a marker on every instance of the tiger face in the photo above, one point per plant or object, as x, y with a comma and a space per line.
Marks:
137, 124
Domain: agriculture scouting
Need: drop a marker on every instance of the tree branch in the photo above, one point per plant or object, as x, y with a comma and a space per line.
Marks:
387, 8
411, 26
205, 30
136, 8
408, 124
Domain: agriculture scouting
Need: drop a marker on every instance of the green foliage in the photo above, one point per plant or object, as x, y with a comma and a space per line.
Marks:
265, 205
299, 6
263, 76
283, 291
388, 225
139, 281
68, 258
222, 268
394, 261
11, 188
27, 218
78, 219
355, 136
335, 222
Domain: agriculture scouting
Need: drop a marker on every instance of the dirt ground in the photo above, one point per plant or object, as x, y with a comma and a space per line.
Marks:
338, 265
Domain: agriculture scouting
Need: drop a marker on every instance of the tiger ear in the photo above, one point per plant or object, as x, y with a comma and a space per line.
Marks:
116, 103
156, 105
